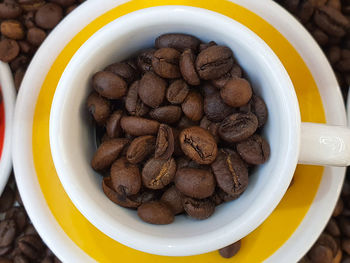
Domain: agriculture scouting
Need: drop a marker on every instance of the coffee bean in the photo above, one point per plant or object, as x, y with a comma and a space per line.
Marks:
31, 5
113, 124
344, 225
30, 230
70, 9
193, 106
64, 3
177, 146
36, 36
18, 62
343, 65
186, 123
140, 148
177, 41
133, 103
9, 10
215, 109
321, 254
230, 172
7, 232
167, 114
331, 21
214, 62
254, 150
345, 244
328, 241
165, 143
196, 183
12, 29
211, 127
259, 109
19, 215
25, 47
155, 212
20, 259
138, 126
99, 108
235, 72
230, 250
198, 144
320, 36
109, 85
48, 15
157, 173
152, 89
28, 20
123, 70
165, 63
338, 257
31, 246
305, 10
9, 49
107, 153
172, 198
225, 197
203, 46
144, 60
198, 209
338, 208
116, 197
236, 92
333, 228
336, 4
177, 92
187, 67
333, 54
7, 199
238, 127
346, 188
126, 177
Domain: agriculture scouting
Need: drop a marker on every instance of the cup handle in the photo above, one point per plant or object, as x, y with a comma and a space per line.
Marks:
323, 144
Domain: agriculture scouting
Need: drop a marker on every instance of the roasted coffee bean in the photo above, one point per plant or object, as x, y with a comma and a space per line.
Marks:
177, 41
336, 4
321, 254
193, 106
70, 9
198, 144
305, 10
140, 148
230, 172
331, 21
238, 127
259, 109
230, 250
48, 15
187, 67
145, 195
133, 103
186, 123
320, 36
235, 72
157, 173
211, 127
20, 259
225, 197
196, 183
113, 124
7, 232
28, 20
30, 230
333, 228
338, 256
9, 49
236, 92
165, 142
123, 70
152, 89
144, 60
167, 114
215, 109
214, 62
126, 177
31, 5
107, 153
9, 10
346, 188
334, 54
12, 29
343, 65
138, 126
338, 208
173, 199
254, 150
36, 36
19, 215
99, 108
18, 62
7, 199
155, 212
109, 85
344, 225
198, 209
165, 63
31, 246
177, 92
116, 197
64, 3
203, 46
345, 244
328, 241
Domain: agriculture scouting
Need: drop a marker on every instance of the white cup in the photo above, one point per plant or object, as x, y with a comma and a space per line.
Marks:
73, 143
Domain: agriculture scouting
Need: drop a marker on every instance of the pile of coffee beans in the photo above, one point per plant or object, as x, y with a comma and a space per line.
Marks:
180, 129
24, 25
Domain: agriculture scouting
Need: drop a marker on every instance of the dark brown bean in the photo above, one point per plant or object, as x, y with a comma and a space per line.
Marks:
193, 106
31, 246
113, 124
333, 228
254, 150
133, 103
165, 142
328, 241
198, 209
215, 109
9, 49
235, 72
107, 153
9, 10
109, 85
211, 127
338, 208
98, 107
152, 89
187, 67
7, 199
7, 232
126, 177
140, 148
157, 173
155, 212
203, 46
36, 36
64, 3
165, 63
48, 15
166, 114
345, 244
259, 109
331, 21
144, 60
196, 183
172, 198
344, 225
138, 126
177, 41
177, 91
12, 29
123, 70
19, 215
230, 250
321, 254
236, 92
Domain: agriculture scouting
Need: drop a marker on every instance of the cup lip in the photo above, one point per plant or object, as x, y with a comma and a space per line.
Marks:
163, 246
8, 93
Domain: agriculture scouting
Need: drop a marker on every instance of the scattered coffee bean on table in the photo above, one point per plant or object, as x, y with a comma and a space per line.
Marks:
180, 129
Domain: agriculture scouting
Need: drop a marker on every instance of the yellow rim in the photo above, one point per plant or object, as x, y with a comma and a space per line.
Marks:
257, 246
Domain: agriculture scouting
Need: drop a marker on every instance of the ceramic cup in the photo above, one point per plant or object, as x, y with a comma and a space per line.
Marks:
7, 104
72, 137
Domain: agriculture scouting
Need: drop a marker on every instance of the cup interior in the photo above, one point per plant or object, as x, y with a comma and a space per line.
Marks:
73, 143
